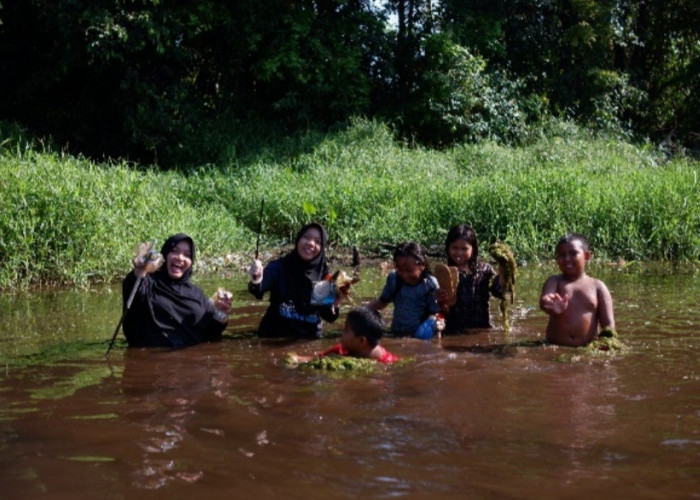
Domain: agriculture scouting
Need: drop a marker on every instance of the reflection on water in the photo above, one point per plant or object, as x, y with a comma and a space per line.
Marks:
483, 415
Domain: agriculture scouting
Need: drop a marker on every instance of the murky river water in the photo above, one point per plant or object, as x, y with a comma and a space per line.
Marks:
466, 418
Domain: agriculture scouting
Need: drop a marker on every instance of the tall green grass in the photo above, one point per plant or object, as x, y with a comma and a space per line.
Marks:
70, 220
67, 220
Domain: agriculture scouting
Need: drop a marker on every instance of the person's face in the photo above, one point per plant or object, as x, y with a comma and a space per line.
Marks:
572, 258
460, 252
350, 342
409, 270
179, 259
310, 244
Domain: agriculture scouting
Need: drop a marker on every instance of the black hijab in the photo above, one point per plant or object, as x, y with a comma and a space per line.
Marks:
169, 312
168, 246
178, 304
301, 274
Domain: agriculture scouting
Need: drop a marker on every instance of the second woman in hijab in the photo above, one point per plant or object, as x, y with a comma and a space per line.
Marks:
290, 281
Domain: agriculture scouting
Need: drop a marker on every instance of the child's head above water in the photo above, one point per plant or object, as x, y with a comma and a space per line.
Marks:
364, 322
571, 238
572, 255
462, 246
411, 262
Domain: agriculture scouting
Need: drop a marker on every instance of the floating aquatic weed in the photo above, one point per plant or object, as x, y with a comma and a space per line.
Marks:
67, 387
608, 343
338, 363
505, 259
102, 416
331, 363
607, 340
88, 458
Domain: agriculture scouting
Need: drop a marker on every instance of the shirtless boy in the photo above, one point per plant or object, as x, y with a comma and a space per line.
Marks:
575, 302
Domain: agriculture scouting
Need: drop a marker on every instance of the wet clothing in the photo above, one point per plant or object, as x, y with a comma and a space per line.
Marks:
290, 281
412, 303
167, 312
472, 307
384, 356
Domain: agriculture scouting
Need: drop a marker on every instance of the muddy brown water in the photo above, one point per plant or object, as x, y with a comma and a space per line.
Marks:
480, 415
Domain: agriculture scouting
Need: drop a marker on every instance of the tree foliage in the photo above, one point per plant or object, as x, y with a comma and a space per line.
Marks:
164, 80
629, 64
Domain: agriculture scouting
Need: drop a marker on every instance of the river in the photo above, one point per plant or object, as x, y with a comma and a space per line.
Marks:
490, 414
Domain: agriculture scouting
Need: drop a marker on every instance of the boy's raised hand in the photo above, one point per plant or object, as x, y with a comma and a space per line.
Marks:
553, 303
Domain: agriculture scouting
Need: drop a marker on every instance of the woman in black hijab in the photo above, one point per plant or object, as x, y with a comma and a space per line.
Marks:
290, 281
167, 309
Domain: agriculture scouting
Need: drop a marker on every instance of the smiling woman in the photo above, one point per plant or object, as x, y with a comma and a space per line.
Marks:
179, 260
168, 310
290, 281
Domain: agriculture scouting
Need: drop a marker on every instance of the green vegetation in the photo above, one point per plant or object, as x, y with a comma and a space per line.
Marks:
507, 270
152, 80
66, 219
343, 364
332, 363
606, 345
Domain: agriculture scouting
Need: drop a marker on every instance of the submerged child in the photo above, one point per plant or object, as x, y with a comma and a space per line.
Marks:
361, 335
576, 303
412, 289
477, 282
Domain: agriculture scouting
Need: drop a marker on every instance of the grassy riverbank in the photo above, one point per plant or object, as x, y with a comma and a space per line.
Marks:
70, 220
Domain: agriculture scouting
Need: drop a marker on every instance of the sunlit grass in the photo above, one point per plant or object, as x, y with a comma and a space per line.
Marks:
69, 220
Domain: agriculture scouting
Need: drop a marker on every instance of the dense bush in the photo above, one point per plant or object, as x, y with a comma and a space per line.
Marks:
457, 100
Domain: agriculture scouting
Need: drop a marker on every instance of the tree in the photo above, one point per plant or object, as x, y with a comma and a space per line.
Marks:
138, 78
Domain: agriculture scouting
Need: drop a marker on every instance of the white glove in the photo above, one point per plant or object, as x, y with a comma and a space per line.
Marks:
256, 272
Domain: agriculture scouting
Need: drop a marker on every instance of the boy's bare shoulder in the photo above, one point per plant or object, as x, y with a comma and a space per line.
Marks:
599, 284
590, 280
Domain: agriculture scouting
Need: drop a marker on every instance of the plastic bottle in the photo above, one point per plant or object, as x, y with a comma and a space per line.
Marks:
323, 292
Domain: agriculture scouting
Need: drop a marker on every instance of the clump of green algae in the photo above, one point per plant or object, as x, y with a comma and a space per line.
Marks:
331, 363
503, 255
336, 363
607, 340
607, 343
